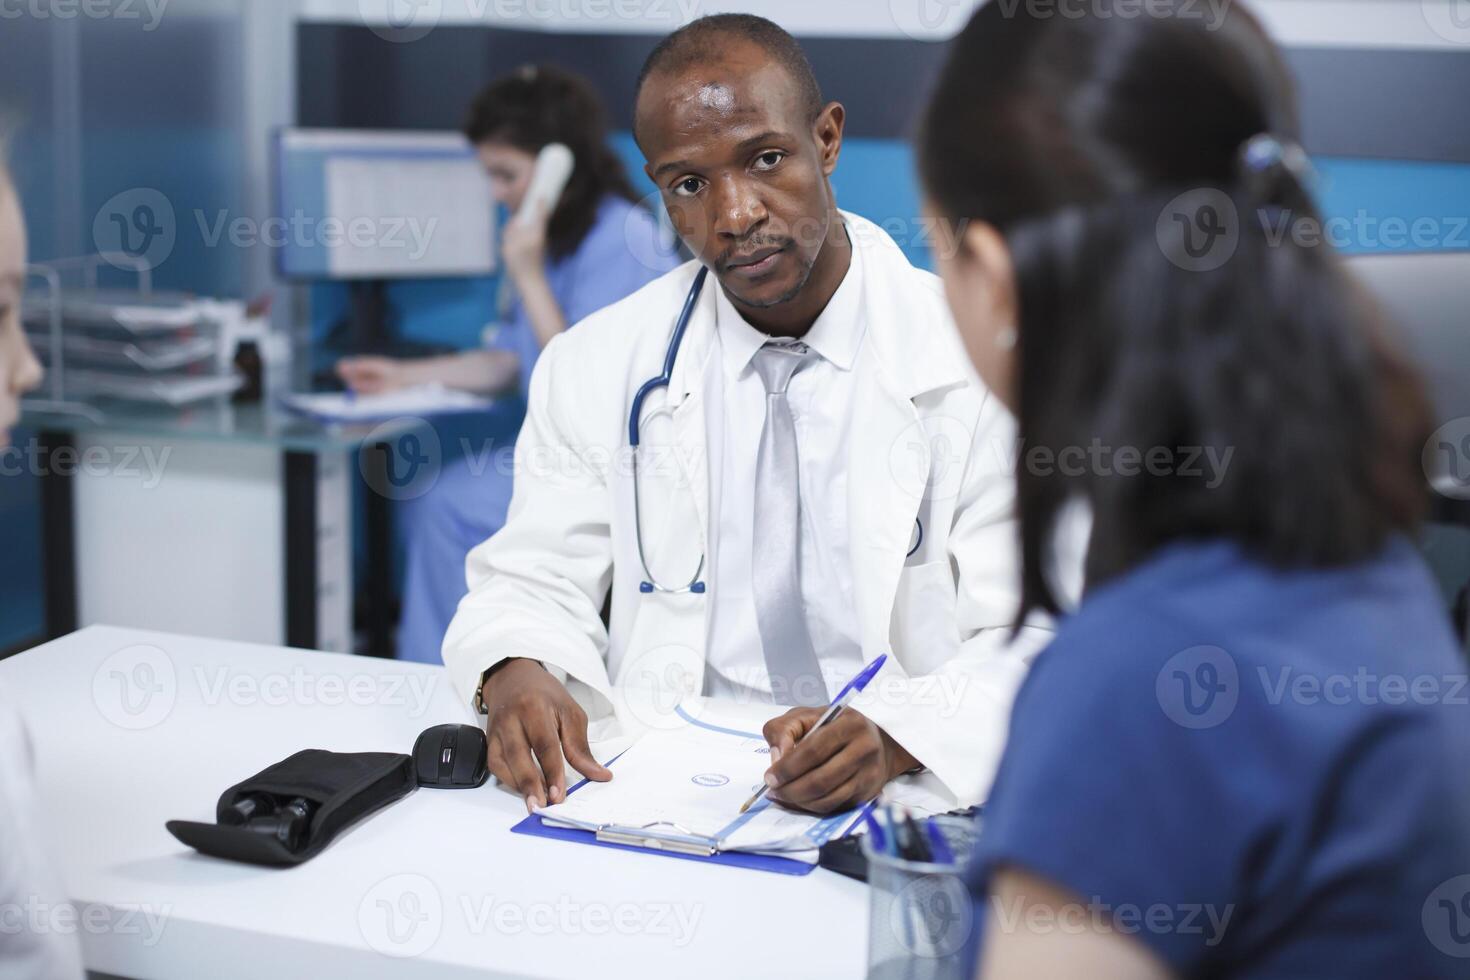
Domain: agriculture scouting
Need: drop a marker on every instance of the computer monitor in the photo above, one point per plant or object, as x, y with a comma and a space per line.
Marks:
1427, 296
375, 205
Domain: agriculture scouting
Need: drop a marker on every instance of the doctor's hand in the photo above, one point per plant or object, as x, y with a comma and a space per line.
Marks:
845, 764
535, 727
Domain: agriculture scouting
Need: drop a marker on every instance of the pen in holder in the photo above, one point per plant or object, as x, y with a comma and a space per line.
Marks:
920, 917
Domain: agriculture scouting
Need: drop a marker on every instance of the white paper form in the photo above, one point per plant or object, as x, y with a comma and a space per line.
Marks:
693, 780
419, 400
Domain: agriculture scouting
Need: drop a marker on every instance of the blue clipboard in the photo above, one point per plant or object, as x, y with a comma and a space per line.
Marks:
534, 826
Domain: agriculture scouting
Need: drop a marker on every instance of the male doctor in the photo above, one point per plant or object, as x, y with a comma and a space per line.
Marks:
822, 447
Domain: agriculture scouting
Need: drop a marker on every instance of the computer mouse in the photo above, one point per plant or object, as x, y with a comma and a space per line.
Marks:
451, 757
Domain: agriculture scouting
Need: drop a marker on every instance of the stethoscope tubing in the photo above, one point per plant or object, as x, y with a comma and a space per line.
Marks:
681, 325
650, 584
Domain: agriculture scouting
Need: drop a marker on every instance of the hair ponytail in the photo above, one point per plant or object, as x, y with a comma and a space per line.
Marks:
1152, 198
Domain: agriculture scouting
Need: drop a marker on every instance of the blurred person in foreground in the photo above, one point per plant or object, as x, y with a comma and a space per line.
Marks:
1194, 745
30, 893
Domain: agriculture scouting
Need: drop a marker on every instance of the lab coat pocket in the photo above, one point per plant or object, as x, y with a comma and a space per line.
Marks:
663, 660
924, 633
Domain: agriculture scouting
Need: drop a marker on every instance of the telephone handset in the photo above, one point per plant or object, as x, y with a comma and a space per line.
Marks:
549, 178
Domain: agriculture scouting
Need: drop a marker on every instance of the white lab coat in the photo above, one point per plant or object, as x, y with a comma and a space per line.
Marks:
929, 444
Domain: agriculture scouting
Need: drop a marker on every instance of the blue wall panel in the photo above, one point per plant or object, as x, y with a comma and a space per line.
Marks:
1370, 205
1395, 205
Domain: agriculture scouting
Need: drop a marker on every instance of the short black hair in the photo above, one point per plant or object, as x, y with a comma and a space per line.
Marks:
706, 38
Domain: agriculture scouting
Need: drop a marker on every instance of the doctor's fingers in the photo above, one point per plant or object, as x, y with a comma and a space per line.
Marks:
836, 781
545, 739
854, 792
495, 762
522, 772
574, 745
497, 759
783, 731
821, 745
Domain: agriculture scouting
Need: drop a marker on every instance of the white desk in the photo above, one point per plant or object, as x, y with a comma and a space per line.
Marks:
433, 886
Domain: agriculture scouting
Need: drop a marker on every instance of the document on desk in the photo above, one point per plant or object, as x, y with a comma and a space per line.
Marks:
693, 780
419, 400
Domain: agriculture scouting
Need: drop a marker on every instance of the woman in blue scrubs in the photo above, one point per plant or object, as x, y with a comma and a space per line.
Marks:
1247, 752
596, 247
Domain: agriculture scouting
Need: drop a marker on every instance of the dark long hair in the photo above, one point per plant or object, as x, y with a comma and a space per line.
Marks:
538, 105
1076, 137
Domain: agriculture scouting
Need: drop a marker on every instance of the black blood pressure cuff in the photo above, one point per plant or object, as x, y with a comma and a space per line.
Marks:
290, 812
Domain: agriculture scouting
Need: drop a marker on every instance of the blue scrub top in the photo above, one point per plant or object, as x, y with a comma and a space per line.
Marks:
1256, 773
622, 252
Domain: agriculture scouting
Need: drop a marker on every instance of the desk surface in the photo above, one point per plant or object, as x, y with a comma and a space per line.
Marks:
223, 421
134, 728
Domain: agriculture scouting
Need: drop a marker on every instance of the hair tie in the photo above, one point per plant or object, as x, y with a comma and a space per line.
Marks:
1263, 154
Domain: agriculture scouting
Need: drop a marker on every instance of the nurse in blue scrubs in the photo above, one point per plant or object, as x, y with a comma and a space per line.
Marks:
1247, 752
597, 246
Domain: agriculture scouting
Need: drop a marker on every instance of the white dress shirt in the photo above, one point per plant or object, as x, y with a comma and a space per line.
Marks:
820, 397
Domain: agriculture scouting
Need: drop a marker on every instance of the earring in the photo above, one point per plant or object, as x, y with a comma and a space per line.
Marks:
1006, 339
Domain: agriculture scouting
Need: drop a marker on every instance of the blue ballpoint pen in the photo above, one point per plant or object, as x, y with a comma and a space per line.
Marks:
939, 850
880, 839
853, 689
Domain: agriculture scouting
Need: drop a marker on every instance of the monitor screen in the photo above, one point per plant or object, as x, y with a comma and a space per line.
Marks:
357, 204
1425, 296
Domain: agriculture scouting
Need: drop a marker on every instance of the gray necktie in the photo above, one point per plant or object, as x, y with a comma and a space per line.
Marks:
796, 676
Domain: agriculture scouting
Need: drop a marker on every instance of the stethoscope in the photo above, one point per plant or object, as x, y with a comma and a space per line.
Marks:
651, 584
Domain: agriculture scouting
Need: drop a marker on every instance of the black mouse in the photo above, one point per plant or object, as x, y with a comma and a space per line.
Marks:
451, 757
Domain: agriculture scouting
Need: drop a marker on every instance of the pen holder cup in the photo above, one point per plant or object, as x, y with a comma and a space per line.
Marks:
920, 917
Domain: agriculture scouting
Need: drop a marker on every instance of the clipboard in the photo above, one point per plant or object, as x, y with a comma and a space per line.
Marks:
641, 840
668, 840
